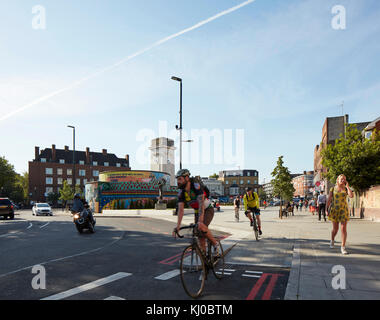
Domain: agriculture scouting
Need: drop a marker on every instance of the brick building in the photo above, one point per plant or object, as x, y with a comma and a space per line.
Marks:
303, 183
52, 166
332, 128
235, 181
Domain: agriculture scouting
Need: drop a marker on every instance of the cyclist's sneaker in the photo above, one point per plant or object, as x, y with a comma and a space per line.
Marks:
260, 232
251, 223
332, 244
343, 250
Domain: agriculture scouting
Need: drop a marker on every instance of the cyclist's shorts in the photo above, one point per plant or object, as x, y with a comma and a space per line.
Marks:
209, 215
256, 211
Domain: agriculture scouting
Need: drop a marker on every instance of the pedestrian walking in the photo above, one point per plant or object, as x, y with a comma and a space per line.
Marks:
297, 204
237, 207
301, 204
321, 203
338, 212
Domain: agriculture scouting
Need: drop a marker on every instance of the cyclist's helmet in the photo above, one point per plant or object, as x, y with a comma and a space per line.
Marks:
248, 189
183, 173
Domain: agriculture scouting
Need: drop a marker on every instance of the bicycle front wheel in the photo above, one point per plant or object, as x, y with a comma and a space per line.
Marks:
255, 229
193, 271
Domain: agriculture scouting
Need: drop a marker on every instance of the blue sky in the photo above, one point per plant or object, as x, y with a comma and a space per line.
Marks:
275, 69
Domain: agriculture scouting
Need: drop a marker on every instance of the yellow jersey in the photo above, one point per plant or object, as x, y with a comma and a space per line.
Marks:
251, 201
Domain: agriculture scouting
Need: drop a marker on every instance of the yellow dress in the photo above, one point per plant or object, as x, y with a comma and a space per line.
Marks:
339, 207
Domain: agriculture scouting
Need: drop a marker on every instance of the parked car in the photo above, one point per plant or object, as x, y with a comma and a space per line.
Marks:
42, 209
6, 208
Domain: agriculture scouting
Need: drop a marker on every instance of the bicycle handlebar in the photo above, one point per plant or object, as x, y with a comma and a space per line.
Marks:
191, 226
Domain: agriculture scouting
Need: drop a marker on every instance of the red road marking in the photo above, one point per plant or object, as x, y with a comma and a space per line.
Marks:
257, 287
269, 289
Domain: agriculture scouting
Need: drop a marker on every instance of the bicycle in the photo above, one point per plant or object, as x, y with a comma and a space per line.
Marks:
196, 264
255, 227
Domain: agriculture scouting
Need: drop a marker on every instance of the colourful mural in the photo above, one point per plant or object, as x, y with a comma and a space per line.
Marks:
129, 190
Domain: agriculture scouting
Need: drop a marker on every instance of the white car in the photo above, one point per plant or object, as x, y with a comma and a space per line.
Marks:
42, 209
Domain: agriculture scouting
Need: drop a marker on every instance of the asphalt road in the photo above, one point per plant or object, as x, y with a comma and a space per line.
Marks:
130, 258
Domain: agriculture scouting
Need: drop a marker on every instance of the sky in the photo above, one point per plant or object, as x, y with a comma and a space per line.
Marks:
261, 77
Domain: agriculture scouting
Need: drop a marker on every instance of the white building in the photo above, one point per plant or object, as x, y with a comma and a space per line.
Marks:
162, 157
215, 186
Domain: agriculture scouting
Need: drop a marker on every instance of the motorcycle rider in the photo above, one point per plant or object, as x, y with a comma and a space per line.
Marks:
79, 206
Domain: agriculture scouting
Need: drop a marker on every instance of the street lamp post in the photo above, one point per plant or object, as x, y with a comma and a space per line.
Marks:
72, 127
180, 120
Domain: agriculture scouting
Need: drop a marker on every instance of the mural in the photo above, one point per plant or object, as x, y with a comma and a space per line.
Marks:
129, 190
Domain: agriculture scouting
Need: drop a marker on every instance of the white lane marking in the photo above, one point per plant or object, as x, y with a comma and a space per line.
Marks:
226, 273
114, 298
230, 270
31, 225
64, 258
168, 275
250, 276
44, 225
88, 286
254, 271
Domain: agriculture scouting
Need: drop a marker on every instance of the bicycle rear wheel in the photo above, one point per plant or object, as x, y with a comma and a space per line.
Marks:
193, 271
218, 263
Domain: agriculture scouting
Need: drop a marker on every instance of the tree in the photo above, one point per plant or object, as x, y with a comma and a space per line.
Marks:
22, 181
262, 194
282, 182
355, 156
216, 176
66, 193
8, 177
53, 197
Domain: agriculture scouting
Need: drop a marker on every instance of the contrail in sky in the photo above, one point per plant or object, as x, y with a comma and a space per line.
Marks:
134, 55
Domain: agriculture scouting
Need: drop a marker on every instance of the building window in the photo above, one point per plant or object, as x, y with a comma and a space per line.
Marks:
69, 181
78, 182
233, 181
226, 182
49, 180
95, 163
62, 161
60, 181
43, 159
59, 171
106, 164
84, 181
95, 173
248, 181
81, 162
82, 173
248, 174
69, 172
255, 174
49, 171
49, 190
118, 165
241, 181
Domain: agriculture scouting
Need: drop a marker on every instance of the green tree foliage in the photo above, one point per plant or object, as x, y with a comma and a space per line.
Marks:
282, 181
354, 156
216, 176
66, 193
8, 177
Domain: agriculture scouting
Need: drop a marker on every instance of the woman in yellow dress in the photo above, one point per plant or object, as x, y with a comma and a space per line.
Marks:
338, 212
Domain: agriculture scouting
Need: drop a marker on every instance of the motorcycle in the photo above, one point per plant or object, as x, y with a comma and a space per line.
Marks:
82, 221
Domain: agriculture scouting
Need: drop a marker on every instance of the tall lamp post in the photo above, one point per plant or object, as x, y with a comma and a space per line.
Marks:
180, 119
72, 127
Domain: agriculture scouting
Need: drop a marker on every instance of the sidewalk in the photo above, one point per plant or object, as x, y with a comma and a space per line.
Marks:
302, 244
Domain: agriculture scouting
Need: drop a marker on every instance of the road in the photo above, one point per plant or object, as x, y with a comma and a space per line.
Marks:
129, 258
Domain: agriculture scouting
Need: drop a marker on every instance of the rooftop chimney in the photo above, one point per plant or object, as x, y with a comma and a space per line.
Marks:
104, 151
87, 155
53, 153
36, 152
66, 148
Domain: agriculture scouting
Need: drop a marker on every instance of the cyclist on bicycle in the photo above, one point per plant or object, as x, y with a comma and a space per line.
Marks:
193, 194
251, 205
